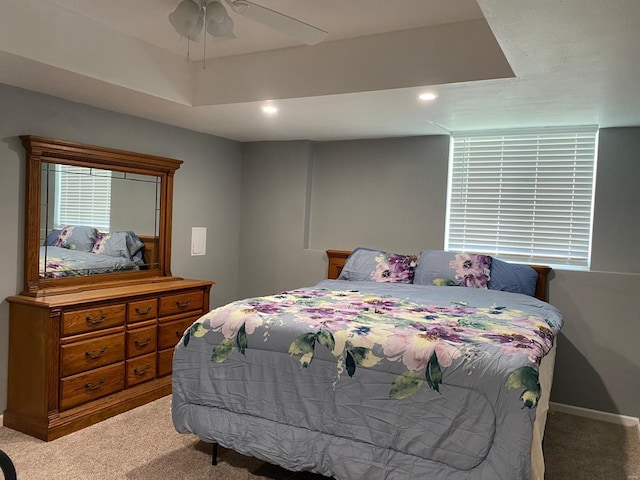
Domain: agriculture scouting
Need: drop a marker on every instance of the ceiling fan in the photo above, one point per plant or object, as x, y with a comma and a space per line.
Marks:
193, 17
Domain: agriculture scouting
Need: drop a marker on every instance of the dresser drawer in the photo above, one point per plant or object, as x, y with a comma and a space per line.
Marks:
182, 302
141, 341
142, 310
165, 362
171, 332
141, 369
88, 386
82, 356
89, 320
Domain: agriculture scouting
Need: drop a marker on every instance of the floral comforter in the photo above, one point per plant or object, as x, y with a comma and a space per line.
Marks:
59, 262
399, 378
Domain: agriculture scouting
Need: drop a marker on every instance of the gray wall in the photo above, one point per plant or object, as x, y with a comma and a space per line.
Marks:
379, 192
135, 204
274, 211
391, 194
206, 193
616, 228
302, 198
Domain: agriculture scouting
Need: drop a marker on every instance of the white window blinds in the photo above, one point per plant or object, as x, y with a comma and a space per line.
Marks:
525, 196
83, 197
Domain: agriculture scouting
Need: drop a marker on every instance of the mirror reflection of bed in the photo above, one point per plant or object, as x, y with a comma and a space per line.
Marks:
77, 250
96, 221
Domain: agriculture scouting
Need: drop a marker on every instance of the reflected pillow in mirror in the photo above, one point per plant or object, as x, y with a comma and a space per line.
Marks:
365, 264
52, 238
77, 237
119, 244
437, 267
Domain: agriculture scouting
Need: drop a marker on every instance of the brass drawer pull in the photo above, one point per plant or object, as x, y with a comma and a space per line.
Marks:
91, 386
180, 304
179, 333
94, 356
91, 321
142, 344
143, 372
145, 311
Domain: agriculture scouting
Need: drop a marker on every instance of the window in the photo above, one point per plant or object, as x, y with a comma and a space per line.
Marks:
525, 196
83, 197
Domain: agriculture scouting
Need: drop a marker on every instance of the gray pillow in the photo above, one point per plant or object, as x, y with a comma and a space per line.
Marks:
118, 244
512, 277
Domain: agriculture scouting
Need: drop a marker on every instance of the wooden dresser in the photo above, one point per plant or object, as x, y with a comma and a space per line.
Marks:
78, 355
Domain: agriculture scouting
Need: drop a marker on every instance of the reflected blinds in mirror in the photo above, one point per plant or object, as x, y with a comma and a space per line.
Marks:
83, 197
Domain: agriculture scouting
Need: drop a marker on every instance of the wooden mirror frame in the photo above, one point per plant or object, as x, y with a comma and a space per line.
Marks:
39, 150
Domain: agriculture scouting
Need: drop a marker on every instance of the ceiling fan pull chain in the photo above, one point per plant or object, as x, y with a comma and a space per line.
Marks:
204, 40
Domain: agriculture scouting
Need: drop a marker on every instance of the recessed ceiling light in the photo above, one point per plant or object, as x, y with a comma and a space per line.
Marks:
427, 96
269, 109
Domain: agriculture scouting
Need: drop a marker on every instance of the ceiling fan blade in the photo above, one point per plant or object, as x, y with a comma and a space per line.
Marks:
278, 21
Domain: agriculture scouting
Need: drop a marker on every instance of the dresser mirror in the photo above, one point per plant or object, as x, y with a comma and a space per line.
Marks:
95, 214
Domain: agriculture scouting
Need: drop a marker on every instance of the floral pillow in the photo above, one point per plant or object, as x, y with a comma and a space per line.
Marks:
374, 265
77, 237
437, 267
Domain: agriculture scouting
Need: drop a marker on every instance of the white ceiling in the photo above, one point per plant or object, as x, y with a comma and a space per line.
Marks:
492, 63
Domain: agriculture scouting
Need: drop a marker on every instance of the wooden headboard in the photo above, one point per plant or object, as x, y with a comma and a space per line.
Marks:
150, 248
338, 257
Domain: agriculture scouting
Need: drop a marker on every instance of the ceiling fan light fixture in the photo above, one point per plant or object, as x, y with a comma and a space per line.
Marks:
222, 28
187, 18
216, 12
219, 23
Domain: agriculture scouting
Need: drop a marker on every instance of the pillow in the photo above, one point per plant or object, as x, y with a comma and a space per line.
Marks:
511, 277
77, 237
437, 267
135, 246
118, 244
378, 266
52, 238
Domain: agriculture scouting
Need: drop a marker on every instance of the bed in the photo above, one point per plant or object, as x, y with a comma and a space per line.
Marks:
77, 250
410, 375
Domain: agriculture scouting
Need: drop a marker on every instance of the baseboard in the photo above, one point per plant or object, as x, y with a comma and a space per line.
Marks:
1, 420
597, 415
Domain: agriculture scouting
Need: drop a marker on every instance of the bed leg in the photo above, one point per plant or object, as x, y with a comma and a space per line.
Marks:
214, 455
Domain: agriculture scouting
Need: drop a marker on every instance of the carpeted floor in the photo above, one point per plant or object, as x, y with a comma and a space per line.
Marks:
142, 445
579, 448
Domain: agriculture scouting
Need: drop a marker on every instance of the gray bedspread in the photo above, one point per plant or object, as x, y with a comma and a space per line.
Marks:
57, 262
362, 380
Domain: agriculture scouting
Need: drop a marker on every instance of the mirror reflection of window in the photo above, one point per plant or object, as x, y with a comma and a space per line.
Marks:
83, 197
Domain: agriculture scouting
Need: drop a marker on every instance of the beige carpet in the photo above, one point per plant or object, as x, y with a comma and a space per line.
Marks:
579, 448
142, 444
